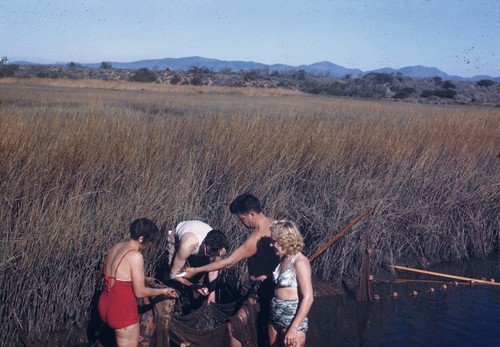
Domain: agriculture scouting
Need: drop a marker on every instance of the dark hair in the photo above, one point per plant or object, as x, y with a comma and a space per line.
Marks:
146, 228
216, 240
245, 203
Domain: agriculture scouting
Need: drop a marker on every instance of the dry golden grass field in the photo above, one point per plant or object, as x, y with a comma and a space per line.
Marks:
81, 159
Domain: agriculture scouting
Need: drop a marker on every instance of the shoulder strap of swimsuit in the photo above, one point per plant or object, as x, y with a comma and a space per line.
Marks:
123, 256
292, 262
104, 265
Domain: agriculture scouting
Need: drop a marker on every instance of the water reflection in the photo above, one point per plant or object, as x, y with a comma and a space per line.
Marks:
463, 315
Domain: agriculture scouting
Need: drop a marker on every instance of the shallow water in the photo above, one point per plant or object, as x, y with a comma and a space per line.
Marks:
463, 315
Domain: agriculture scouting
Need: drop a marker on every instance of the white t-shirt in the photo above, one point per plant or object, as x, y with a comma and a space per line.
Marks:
196, 227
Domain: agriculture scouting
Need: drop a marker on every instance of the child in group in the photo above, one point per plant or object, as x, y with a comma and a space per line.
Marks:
293, 294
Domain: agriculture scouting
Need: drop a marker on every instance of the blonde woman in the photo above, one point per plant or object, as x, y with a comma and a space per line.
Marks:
293, 294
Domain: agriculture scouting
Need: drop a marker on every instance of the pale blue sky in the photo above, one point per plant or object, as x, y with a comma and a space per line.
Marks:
460, 37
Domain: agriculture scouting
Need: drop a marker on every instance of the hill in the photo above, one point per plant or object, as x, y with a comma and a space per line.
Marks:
324, 68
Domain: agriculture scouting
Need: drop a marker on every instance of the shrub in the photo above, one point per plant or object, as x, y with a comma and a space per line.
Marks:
301, 75
427, 93
448, 85
336, 88
196, 81
438, 80
175, 80
404, 93
8, 70
105, 65
485, 83
445, 93
144, 75
379, 78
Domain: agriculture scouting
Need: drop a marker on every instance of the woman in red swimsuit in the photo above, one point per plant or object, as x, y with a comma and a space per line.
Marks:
124, 277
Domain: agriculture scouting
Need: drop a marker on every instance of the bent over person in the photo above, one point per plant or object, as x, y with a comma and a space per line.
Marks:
262, 260
197, 243
124, 278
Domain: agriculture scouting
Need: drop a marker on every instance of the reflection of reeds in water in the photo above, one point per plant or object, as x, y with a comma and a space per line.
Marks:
79, 164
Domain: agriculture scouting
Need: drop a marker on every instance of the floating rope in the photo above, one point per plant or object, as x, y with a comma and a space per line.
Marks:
467, 279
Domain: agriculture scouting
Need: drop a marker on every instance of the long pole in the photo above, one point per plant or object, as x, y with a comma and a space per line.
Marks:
471, 280
339, 234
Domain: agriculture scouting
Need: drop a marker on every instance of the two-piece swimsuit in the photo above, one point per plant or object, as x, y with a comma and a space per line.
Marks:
283, 311
117, 304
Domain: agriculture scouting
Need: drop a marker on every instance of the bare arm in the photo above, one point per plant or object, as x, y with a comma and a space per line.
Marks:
246, 250
212, 276
302, 269
136, 263
187, 246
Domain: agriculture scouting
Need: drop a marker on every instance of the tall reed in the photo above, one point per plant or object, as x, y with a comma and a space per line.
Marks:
79, 164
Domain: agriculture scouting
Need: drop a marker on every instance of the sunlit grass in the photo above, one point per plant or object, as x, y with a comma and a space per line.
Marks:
81, 159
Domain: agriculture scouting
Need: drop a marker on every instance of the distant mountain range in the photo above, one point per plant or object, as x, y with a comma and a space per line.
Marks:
319, 68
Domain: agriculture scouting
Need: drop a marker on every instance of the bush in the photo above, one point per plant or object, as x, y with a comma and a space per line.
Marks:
445, 93
301, 75
175, 80
144, 75
8, 70
196, 81
105, 65
427, 93
379, 78
404, 93
448, 85
485, 83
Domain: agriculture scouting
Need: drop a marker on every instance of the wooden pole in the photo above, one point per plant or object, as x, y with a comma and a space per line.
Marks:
471, 280
339, 234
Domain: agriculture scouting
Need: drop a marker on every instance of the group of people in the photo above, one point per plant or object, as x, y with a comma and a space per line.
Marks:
281, 294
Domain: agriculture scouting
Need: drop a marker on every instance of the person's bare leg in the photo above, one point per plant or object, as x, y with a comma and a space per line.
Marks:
273, 336
128, 336
233, 342
242, 315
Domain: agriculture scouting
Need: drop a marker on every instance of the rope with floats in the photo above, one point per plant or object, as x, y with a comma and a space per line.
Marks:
460, 278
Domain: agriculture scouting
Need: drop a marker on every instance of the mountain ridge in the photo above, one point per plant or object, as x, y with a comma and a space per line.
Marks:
318, 68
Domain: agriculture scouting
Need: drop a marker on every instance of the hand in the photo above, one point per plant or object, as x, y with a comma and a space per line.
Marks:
171, 293
203, 291
211, 298
291, 337
190, 272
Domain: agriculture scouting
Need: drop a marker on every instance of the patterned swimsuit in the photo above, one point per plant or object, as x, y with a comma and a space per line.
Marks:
283, 311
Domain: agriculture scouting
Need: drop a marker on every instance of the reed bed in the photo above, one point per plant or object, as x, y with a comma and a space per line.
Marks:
79, 163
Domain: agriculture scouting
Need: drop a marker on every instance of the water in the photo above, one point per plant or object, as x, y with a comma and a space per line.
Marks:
463, 315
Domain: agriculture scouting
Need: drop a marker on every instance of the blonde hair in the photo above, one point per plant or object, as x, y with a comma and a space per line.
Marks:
288, 236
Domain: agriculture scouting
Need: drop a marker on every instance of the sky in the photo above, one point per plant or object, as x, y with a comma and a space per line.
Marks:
459, 37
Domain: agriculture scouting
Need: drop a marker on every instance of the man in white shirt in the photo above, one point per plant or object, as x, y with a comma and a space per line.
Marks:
194, 240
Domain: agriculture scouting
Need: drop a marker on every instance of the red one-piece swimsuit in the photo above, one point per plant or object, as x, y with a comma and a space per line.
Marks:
117, 304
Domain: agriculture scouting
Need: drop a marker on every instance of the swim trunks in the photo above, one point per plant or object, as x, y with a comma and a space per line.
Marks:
283, 312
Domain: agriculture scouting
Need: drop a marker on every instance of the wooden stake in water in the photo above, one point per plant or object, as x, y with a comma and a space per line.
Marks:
339, 234
470, 280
